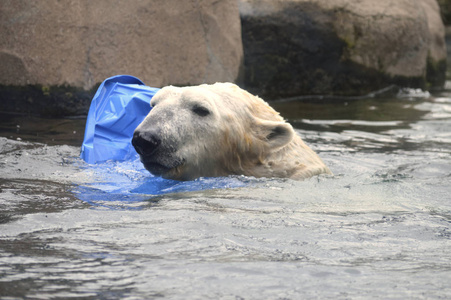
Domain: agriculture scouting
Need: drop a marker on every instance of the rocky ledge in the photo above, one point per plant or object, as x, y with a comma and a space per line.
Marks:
49, 46
341, 47
53, 53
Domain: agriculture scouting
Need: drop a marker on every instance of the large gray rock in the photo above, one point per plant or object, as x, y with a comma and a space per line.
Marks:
79, 43
346, 47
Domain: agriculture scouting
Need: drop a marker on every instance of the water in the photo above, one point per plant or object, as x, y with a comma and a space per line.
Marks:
380, 228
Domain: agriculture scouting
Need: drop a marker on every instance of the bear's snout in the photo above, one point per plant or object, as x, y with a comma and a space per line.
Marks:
145, 144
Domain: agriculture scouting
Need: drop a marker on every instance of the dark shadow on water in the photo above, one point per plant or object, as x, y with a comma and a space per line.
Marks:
50, 131
345, 114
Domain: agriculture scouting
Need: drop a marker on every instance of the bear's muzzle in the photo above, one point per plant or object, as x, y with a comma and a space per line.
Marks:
145, 144
156, 158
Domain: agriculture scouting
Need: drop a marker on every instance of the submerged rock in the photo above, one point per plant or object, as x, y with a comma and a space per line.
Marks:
295, 47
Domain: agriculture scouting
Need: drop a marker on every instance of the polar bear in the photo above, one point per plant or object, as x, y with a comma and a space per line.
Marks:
219, 130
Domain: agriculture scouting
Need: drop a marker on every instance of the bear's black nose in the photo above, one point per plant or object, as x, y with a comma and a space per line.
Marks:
145, 143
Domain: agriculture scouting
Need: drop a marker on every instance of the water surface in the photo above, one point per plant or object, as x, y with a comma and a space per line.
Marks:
379, 228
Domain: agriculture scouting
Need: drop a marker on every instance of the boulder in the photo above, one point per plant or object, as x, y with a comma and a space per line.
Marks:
80, 43
342, 47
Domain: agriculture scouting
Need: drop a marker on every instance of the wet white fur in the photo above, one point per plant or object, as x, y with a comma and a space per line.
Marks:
241, 135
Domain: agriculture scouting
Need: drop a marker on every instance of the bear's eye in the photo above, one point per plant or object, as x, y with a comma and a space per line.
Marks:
200, 110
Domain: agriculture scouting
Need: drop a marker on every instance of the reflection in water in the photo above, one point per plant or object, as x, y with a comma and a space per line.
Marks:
379, 228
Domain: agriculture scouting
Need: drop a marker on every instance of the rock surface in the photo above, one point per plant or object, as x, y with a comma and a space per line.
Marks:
80, 43
295, 47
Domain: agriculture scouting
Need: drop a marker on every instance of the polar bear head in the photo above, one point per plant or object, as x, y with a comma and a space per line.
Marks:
208, 131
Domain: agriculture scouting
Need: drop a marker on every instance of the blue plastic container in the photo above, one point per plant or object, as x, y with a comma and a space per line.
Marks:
120, 104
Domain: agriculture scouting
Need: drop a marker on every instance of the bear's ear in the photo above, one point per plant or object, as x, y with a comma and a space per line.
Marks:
276, 134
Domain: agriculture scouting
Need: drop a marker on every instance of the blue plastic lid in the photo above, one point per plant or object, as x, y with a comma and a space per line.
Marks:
120, 104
